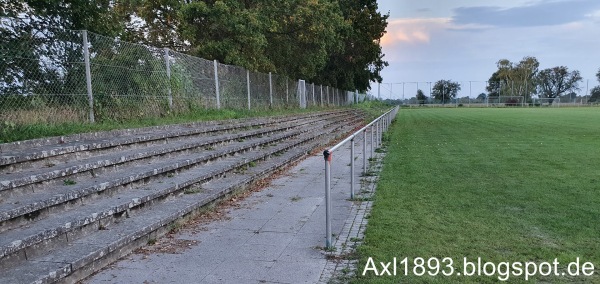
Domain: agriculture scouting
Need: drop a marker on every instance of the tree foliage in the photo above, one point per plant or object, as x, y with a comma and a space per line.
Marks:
556, 81
421, 97
514, 79
324, 41
445, 90
360, 60
594, 94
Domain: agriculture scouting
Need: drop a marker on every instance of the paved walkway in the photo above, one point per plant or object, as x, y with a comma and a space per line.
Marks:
276, 235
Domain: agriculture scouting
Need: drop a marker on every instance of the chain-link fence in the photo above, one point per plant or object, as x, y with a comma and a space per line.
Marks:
478, 94
77, 76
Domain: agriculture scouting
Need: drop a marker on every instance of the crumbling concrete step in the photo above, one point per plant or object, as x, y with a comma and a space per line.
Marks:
88, 254
20, 205
86, 213
41, 174
24, 208
22, 151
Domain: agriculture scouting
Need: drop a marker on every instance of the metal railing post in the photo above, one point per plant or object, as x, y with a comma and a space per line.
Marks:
327, 157
352, 168
88, 75
365, 152
217, 91
372, 149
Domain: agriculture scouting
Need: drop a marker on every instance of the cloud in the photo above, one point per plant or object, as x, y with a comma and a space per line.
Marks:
411, 31
545, 13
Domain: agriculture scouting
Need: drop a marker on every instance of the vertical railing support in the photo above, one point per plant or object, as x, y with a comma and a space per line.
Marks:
248, 86
372, 149
217, 90
352, 168
327, 157
168, 66
365, 152
88, 75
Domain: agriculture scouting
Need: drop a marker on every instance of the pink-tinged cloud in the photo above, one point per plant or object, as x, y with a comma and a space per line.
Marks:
412, 31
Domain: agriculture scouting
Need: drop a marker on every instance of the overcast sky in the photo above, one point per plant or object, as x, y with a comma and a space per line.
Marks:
461, 40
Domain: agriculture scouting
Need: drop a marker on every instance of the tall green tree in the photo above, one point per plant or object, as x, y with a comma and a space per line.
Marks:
154, 22
514, 79
301, 35
445, 90
360, 61
40, 44
556, 81
595, 91
421, 97
226, 31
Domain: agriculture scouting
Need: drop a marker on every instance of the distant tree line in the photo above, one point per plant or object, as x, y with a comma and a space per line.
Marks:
522, 79
335, 43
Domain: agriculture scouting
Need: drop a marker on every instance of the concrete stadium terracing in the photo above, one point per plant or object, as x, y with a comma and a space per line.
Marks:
72, 205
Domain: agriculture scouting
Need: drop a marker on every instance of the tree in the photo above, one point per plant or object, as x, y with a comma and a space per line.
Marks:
445, 90
301, 35
595, 94
482, 97
360, 60
514, 79
421, 97
554, 82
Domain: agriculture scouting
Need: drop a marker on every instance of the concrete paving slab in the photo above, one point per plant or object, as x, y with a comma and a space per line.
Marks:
274, 236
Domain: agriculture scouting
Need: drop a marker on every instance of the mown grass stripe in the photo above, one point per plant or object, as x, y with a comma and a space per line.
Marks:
501, 184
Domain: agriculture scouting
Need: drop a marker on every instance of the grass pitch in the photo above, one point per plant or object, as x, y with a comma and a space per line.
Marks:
506, 185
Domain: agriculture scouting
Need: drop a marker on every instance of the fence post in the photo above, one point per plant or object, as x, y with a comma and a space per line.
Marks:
321, 94
88, 75
372, 130
248, 86
270, 90
287, 92
352, 168
327, 157
313, 95
168, 65
217, 91
365, 152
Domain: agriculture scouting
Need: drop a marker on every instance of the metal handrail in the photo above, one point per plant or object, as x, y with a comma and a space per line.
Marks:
379, 125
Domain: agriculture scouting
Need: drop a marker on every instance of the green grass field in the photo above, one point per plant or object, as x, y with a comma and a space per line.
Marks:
506, 185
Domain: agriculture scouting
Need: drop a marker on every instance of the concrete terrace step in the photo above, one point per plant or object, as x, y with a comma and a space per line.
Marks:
87, 212
48, 171
80, 258
104, 217
35, 147
25, 206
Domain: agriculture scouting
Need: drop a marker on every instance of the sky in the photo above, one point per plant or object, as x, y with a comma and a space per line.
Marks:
461, 40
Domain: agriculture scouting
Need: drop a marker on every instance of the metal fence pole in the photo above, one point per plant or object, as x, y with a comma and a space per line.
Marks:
217, 91
372, 149
287, 92
248, 86
313, 94
352, 168
168, 65
321, 94
88, 75
327, 157
270, 90
365, 152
